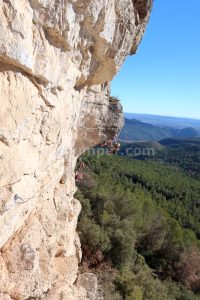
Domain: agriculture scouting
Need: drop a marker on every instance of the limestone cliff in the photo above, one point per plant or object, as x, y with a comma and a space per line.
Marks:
57, 58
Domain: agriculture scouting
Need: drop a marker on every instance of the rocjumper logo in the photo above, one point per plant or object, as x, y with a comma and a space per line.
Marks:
139, 151
132, 151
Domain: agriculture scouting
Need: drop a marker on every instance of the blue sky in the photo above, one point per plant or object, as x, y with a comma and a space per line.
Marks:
163, 78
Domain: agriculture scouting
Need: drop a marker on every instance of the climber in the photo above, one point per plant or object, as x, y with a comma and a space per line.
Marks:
114, 149
109, 143
114, 139
78, 176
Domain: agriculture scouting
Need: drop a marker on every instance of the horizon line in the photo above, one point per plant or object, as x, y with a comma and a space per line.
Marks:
165, 116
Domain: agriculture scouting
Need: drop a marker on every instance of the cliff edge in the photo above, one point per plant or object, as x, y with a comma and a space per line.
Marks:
57, 58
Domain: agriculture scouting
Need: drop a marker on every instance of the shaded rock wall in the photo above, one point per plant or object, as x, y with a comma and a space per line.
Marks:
57, 58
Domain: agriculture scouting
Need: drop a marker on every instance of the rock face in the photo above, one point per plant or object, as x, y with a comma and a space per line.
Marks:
90, 283
57, 58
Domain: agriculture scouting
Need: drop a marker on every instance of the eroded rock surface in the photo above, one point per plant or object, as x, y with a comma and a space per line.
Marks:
57, 58
89, 282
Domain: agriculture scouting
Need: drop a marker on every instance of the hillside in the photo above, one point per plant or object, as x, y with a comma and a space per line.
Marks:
177, 153
164, 121
135, 130
140, 228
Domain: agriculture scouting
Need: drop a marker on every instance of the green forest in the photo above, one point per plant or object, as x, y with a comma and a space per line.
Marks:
178, 153
140, 227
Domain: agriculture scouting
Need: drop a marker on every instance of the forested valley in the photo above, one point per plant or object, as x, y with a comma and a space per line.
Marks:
140, 226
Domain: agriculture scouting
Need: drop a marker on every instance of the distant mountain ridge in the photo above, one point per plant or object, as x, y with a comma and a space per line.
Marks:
165, 121
135, 130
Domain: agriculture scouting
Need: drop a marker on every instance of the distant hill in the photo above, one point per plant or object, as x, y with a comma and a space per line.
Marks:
173, 142
163, 121
135, 130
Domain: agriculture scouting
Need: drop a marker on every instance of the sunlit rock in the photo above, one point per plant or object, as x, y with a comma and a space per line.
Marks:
57, 59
